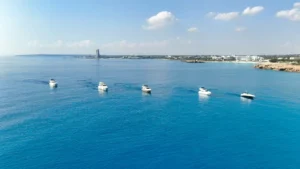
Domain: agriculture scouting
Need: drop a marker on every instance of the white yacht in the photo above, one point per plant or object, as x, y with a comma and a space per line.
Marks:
246, 100
247, 95
203, 97
204, 91
102, 86
52, 83
145, 88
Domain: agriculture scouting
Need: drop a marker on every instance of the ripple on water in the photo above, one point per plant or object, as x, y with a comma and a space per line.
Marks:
75, 126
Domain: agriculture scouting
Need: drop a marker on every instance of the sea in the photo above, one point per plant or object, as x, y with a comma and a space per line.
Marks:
77, 127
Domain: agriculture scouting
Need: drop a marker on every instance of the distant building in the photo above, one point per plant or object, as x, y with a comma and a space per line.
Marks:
254, 58
248, 58
215, 58
242, 58
97, 53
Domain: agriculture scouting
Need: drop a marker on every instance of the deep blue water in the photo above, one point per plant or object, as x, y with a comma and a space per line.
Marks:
75, 126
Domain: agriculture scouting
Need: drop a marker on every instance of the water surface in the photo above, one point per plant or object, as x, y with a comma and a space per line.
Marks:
75, 126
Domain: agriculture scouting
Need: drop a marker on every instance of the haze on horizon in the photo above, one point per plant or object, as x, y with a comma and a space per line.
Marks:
149, 27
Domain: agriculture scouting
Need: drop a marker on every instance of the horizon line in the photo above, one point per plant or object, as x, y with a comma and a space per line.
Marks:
146, 54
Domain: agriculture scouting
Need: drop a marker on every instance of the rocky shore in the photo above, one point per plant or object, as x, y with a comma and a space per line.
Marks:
279, 67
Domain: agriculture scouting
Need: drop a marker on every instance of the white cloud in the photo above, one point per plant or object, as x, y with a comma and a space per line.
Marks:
160, 20
80, 44
128, 47
240, 29
291, 14
253, 11
211, 14
297, 5
193, 29
61, 44
178, 38
134, 45
161, 47
58, 43
226, 16
33, 43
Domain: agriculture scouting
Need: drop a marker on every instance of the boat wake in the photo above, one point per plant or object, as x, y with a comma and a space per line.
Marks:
131, 86
186, 90
233, 94
88, 84
35, 81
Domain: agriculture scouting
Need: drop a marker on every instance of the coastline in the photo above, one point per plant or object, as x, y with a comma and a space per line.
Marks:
279, 67
238, 62
182, 60
185, 60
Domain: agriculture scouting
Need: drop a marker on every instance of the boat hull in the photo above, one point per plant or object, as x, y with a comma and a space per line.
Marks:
204, 93
146, 90
53, 85
103, 88
248, 96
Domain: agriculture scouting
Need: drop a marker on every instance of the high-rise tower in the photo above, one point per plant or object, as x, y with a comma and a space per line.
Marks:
98, 54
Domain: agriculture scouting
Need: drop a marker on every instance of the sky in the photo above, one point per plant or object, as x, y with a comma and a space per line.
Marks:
168, 27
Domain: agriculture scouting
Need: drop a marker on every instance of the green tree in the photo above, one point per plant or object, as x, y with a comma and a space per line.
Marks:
274, 60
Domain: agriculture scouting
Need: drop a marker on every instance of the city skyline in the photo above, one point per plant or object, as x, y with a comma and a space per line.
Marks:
135, 27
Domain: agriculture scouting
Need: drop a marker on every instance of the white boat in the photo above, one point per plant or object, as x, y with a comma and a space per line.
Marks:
203, 97
204, 91
102, 86
145, 88
246, 100
247, 95
52, 83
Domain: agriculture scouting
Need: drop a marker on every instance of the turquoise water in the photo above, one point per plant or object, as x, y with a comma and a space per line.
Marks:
75, 126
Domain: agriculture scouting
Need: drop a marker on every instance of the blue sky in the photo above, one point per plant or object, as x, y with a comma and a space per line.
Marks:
149, 27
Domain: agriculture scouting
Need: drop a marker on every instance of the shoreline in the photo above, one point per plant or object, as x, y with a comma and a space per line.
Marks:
181, 60
238, 62
285, 67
